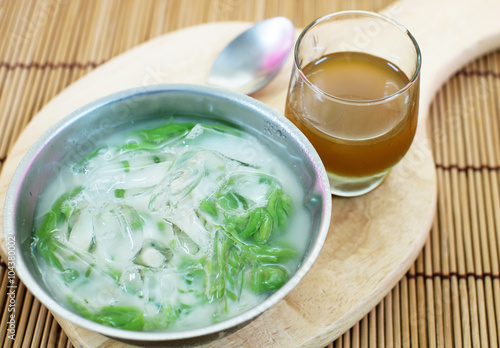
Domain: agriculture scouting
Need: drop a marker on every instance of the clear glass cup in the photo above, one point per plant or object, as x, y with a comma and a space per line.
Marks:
354, 93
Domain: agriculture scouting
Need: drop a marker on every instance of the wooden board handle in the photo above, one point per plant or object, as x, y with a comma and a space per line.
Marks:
450, 34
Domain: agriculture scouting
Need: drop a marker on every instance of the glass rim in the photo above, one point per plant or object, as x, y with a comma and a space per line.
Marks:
396, 24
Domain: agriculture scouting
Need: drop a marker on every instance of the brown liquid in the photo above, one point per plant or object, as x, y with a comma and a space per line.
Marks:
356, 76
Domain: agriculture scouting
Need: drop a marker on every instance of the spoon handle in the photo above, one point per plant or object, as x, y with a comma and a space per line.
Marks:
450, 33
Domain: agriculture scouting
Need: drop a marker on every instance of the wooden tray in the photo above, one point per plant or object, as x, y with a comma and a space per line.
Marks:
373, 239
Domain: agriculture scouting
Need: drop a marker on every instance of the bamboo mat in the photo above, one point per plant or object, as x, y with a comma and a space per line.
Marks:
450, 297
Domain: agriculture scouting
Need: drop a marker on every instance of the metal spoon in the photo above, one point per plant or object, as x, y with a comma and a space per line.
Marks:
253, 58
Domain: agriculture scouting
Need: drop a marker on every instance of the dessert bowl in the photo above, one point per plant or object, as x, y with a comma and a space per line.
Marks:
76, 137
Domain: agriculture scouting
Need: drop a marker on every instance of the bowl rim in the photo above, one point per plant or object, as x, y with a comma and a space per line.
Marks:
255, 105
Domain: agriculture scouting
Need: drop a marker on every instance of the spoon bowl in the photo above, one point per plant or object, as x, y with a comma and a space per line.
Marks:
253, 58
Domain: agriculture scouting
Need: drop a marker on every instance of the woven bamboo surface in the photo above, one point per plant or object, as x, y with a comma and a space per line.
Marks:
450, 297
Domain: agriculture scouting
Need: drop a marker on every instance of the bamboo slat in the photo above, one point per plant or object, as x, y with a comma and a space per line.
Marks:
450, 297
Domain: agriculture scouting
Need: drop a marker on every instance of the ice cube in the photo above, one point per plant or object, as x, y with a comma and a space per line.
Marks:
228, 142
185, 242
189, 226
247, 183
129, 175
153, 254
118, 232
82, 233
195, 175
131, 281
160, 286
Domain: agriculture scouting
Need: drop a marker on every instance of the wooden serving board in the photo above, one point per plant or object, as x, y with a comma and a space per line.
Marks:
373, 239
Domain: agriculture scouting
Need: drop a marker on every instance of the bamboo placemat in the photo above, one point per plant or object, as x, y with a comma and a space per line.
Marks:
450, 297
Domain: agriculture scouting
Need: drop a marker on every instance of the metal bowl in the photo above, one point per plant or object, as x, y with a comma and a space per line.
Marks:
79, 131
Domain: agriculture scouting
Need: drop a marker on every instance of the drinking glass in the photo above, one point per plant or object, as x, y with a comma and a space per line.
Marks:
354, 93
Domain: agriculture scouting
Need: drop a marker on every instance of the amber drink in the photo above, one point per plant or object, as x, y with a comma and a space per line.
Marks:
354, 94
